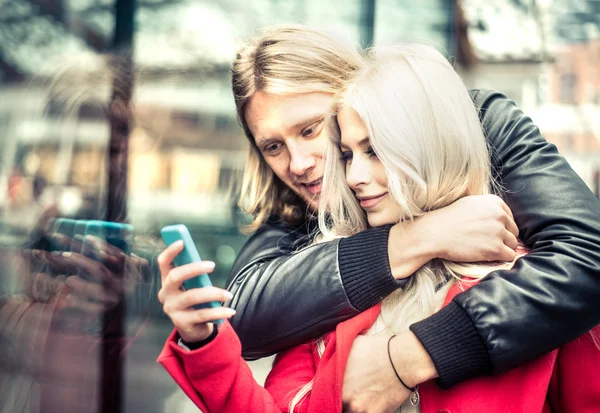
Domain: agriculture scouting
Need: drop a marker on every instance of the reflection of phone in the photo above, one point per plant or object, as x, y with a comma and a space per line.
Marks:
64, 226
189, 255
115, 233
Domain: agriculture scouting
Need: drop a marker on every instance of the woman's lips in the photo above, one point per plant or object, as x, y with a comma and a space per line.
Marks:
372, 201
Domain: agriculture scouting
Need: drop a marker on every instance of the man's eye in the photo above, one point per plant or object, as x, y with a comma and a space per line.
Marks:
272, 148
307, 132
312, 130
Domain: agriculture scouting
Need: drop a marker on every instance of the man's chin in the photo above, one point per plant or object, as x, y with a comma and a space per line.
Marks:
312, 202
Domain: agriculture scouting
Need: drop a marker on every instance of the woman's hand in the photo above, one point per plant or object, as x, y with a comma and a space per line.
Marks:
193, 325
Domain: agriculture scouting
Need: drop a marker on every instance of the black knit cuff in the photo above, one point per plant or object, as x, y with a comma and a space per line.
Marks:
365, 267
198, 344
457, 350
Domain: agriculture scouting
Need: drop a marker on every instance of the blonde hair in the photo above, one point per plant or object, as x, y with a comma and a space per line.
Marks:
425, 130
285, 60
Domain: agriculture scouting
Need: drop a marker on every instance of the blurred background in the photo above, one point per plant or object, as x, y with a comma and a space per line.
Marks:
179, 157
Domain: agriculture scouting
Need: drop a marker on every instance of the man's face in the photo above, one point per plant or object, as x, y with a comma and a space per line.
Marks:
290, 133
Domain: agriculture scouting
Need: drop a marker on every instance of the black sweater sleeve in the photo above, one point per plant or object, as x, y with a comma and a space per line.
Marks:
552, 295
284, 297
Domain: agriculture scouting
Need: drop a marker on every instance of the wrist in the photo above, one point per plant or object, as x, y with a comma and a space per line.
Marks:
194, 345
196, 336
427, 227
411, 360
409, 248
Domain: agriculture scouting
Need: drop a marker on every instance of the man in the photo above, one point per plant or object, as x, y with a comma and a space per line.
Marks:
283, 83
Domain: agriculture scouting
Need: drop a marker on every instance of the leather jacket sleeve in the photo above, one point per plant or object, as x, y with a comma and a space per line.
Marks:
278, 293
286, 294
552, 295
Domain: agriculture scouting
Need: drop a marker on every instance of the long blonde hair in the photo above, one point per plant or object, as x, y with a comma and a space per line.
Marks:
285, 60
425, 130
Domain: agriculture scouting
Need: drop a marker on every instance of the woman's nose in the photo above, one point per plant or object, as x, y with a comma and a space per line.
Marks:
357, 174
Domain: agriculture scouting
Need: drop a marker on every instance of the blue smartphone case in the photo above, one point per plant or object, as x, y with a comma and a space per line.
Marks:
115, 233
190, 254
64, 226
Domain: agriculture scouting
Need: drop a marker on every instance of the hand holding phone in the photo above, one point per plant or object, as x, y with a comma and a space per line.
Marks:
188, 255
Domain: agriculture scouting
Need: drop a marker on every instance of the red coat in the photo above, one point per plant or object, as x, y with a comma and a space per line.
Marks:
217, 379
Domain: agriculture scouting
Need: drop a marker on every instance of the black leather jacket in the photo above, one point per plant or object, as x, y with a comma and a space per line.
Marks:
550, 297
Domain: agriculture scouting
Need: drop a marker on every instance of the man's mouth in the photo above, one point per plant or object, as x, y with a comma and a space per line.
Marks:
314, 187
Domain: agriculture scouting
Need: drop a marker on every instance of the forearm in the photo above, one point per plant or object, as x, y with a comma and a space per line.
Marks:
411, 360
551, 296
289, 300
410, 247
315, 289
219, 361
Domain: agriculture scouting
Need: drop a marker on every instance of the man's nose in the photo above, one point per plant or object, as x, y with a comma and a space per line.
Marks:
301, 161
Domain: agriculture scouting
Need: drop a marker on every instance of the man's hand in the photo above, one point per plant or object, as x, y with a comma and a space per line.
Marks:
370, 384
474, 228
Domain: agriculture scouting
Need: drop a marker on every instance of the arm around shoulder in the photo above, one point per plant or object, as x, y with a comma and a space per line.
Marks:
550, 295
316, 287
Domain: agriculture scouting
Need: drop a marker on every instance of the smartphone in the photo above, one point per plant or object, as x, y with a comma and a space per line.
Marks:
190, 254
117, 234
64, 226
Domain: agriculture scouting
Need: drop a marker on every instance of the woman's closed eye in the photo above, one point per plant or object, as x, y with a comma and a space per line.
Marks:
371, 152
346, 156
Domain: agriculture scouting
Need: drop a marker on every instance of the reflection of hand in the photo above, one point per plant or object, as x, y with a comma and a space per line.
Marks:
193, 325
99, 278
38, 236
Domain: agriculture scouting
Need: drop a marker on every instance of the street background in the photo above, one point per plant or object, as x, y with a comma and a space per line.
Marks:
185, 149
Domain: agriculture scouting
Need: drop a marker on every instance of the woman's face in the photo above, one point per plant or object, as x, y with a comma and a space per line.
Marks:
365, 173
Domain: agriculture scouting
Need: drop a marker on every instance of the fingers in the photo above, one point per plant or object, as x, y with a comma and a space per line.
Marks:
172, 283
85, 305
206, 315
180, 274
193, 326
510, 240
102, 246
510, 220
45, 287
506, 254
165, 259
195, 296
58, 261
512, 227
90, 291
96, 270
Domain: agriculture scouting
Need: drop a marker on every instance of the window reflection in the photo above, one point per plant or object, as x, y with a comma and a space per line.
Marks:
186, 151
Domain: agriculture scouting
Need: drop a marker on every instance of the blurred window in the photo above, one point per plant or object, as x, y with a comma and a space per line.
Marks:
568, 84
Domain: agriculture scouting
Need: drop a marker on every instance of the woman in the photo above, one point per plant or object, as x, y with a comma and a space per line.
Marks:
425, 154
283, 83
